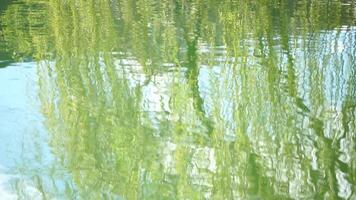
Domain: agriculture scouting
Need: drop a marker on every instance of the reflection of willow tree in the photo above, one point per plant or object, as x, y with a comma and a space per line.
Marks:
277, 120
95, 117
284, 129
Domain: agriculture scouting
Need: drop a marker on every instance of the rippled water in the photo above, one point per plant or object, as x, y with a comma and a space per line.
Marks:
120, 99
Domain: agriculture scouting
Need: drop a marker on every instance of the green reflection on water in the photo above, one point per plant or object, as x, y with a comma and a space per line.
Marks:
194, 99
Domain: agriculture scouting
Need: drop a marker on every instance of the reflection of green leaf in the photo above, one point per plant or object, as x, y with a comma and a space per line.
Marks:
263, 101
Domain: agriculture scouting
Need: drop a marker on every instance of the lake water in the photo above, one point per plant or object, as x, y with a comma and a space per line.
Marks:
121, 99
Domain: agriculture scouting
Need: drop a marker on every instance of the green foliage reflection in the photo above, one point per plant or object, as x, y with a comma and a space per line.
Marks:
195, 99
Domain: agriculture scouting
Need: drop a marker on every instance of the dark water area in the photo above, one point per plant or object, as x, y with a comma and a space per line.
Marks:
120, 99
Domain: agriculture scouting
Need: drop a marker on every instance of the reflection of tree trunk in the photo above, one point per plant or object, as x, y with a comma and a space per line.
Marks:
192, 63
291, 76
192, 76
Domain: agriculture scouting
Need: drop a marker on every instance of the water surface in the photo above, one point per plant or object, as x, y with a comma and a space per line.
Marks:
118, 99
